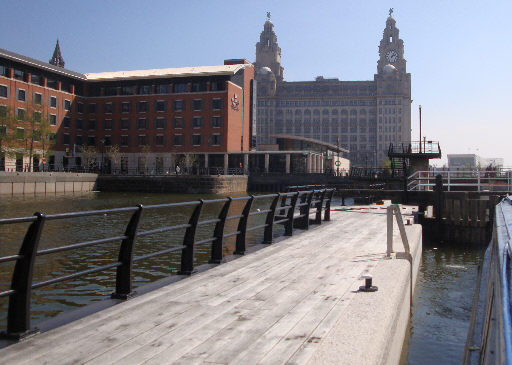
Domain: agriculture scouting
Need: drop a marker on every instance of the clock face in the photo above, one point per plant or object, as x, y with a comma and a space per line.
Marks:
392, 56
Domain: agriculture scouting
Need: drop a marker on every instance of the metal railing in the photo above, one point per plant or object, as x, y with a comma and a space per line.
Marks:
19, 313
428, 147
462, 180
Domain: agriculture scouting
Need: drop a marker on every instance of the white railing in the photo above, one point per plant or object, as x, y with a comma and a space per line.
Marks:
462, 180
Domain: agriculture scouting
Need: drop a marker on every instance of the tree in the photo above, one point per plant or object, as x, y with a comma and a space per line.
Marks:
114, 154
89, 154
386, 167
7, 124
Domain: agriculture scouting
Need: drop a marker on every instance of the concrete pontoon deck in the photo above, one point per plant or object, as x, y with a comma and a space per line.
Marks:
296, 301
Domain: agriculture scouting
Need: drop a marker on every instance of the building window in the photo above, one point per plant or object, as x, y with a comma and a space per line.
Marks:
142, 140
108, 108
178, 140
216, 122
20, 133
162, 89
217, 104
67, 105
198, 87
142, 107
53, 84
91, 124
65, 139
79, 140
125, 123
180, 87
160, 123
142, 123
124, 141
37, 116
178, 123
3, 110
178, 105
126, 107
196, 140
160, 106
128, 90
91, 140
37, 99
159, 140
19, 75
3, 91
145, 89
110, 91
66, 122
215, 139
22, 95
80, 107
92, 108
21, 114
107, 141
79, 124
197, 104
107, 124
197, 122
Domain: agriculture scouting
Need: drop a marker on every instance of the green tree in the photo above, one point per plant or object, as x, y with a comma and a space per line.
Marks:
89, 154
7, 124
114, 154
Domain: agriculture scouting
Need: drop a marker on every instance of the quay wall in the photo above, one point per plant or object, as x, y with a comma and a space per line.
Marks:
29, 183
187, 184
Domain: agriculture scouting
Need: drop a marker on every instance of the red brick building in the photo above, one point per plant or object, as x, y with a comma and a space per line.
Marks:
154, 119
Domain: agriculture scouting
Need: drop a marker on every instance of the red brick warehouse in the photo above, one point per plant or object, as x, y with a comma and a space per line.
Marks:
155, 119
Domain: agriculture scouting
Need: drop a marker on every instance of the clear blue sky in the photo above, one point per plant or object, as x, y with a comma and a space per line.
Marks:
458, 52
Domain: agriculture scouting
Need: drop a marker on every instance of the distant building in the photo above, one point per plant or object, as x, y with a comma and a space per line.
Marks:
364, 117
472, 161
155, 117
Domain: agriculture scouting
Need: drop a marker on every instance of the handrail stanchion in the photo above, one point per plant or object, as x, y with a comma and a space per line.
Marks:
319, 206
327, 212
216, 255
242, 227
269, 229
305, 209
389, 215
187, 254
288, 228
124, 272
18, 317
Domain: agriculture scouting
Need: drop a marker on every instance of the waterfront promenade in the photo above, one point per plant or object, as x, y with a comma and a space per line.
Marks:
295, 301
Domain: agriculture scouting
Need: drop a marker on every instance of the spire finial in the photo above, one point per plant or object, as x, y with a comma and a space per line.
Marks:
390, 11
268, 15
57, 59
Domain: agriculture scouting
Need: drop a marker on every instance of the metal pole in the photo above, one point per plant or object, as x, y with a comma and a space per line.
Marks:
420, 128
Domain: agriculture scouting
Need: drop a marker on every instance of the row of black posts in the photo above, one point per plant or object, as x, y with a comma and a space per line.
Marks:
19, 312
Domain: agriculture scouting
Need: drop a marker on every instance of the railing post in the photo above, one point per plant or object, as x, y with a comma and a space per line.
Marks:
305, 209
124, 272
288, 228
18, 316
187, 254
319, 206
327, 212
216, 256
269, 229
389, 215
242, 227
478, 174
449, 181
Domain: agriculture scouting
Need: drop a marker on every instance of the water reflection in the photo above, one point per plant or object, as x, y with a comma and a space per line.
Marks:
51, 300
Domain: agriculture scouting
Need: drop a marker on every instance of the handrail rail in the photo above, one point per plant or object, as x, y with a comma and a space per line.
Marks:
19, 312
497, 181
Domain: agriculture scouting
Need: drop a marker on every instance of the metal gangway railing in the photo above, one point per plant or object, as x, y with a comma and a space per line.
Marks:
462, 180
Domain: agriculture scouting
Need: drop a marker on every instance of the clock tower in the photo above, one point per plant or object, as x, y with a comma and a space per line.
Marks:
393, 85
391, 48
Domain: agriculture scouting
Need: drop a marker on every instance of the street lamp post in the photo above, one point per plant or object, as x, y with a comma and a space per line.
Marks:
338, 152
102, 152
420, 129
